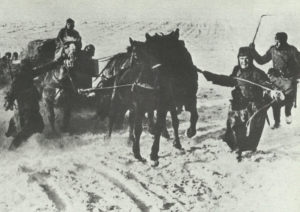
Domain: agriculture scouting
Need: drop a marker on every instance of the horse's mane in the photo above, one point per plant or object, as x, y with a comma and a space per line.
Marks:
173, 54
40, 51
172, 50
115, 64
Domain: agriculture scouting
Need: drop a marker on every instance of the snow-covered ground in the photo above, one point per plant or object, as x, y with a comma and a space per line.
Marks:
84, 172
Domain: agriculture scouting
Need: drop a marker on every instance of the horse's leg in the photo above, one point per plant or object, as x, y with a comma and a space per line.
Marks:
48, 95
51, 115
112, 117
161, 116
12, 129
175, 124
151, 122
137, 134
164, 132
67, 102
193, 120
113, 111
120, 117
66, 117
131, 127
239, 155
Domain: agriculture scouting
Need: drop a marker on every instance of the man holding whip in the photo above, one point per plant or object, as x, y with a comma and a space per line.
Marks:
286, 60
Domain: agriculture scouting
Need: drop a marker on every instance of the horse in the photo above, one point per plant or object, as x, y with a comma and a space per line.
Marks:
147, 91
116, 66
173, 55
58, 87
174, 85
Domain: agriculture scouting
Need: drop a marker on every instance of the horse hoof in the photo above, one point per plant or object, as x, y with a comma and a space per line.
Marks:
190, 132
140, 158
153, 157
107, 138
177, 145
239, 158
129, 142
12, 147
154, 163
165, 134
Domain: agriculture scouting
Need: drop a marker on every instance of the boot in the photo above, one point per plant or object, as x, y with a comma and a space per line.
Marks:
275, 126
288, 119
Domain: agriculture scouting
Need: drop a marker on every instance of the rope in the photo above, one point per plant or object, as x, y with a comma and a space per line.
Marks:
257, 112
141, 85
102, 59
105, 88
253, 83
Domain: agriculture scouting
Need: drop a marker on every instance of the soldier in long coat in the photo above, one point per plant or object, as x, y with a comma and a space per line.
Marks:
286, 60
24, 97
247, 112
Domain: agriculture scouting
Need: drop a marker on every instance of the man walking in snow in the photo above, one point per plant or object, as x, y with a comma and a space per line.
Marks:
24, 93
246, 118
286, 60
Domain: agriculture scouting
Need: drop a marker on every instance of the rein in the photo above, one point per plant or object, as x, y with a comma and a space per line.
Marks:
132, 85
253, 83
257, 112
106, 58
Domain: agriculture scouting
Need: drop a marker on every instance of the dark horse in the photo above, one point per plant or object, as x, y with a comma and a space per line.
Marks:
166, 88
116, 68
177, 62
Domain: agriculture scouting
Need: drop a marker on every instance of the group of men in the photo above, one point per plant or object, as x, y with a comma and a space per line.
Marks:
286, 61
11, 57
6, 61
249, 104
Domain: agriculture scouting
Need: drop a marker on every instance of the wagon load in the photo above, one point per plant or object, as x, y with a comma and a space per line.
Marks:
40, 51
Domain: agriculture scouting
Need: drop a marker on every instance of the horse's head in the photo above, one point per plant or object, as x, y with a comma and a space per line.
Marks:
272, 72
71, 53
144, 62
244, 115
170, 51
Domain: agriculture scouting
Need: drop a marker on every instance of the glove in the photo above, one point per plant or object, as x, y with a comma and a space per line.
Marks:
277, 95
252, 46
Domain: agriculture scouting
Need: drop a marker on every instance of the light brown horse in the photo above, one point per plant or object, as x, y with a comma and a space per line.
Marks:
58, 85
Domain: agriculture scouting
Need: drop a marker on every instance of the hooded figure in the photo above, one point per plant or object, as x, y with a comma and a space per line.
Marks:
286, 60
65, 35
26, 96
244, 129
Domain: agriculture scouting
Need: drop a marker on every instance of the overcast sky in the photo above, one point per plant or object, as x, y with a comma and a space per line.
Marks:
47, 10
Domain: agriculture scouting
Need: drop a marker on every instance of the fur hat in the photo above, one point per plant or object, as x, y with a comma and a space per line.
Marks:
244, 51
90, 49
281, 36
274, 72
70, 21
